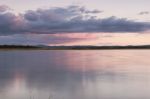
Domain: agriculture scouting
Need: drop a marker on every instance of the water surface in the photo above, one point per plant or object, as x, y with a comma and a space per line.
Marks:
72, 74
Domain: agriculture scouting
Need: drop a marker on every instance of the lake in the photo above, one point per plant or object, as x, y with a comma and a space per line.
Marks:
73, 74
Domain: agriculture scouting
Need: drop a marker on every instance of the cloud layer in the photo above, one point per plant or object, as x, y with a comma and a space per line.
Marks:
72, 19
144, 13
46, 39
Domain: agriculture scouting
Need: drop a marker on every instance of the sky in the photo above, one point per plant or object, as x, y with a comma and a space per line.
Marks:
75, 22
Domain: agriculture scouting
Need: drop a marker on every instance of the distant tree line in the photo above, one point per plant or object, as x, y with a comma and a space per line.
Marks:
72, 47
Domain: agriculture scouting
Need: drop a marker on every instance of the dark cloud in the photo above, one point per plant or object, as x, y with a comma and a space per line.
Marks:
144, 13
70, 19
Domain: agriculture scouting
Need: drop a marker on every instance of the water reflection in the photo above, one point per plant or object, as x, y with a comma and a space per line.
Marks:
75, 74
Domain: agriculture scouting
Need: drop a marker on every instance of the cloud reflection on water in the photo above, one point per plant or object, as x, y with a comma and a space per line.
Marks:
74, 74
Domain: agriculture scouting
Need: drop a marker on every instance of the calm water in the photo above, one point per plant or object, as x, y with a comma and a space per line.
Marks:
103, 74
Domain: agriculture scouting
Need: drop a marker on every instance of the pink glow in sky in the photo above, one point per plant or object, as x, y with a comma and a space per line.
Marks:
113, 39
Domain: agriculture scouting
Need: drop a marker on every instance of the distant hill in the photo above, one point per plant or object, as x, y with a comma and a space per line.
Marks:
72, 47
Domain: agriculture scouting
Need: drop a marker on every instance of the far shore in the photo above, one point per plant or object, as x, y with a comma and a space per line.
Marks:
42, 47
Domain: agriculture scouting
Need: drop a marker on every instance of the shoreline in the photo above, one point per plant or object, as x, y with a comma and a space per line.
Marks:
22, 47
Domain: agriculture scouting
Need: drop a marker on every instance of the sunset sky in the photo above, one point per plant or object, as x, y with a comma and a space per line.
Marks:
75, 22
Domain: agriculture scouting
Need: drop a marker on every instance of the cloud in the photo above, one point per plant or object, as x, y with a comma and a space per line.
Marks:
84, 10
144, 13
4, 8
71, 19
48, 39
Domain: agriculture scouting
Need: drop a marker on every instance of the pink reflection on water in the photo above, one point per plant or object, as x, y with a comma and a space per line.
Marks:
17, 87
110, 60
